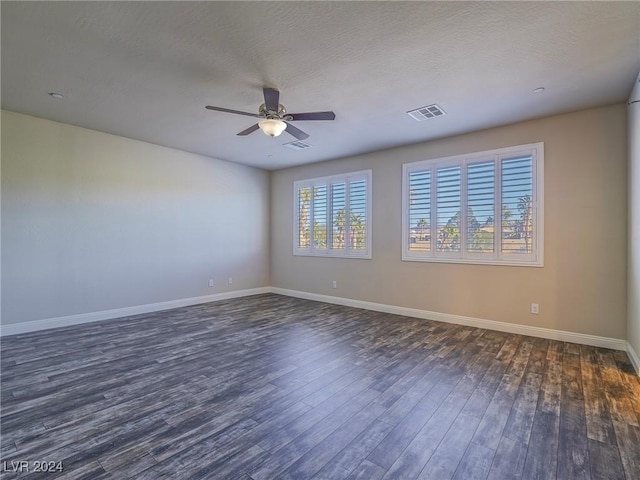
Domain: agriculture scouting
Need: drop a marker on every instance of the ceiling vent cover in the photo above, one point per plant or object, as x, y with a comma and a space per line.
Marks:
297, 145
425, 113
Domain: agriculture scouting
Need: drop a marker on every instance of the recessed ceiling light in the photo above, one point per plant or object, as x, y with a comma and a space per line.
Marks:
56, 95
539, 90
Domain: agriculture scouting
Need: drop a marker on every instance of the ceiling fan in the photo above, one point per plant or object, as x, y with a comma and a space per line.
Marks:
274, 117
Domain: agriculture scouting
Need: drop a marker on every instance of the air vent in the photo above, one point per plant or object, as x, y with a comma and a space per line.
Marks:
297, 145
425, 113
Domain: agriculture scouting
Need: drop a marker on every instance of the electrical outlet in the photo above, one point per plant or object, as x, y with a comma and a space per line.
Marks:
211, 282
230, 280
535, 308
335, 284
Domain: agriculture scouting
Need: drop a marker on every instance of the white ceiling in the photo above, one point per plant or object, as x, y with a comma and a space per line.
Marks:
145, 70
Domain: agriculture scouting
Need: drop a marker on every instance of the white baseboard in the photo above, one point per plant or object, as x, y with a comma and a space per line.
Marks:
633, 356
17, 328
563, 336
605, 342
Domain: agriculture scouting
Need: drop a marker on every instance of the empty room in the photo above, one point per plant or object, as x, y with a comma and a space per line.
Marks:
320, 240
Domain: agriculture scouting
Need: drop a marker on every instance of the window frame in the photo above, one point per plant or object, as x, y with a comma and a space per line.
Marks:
535, 259
328, 181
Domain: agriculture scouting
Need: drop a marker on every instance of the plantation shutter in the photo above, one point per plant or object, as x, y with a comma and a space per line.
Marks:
517, 207
358, 215
332, 216
481, 206
419, 226
320, 217
448, 209
338, 215
304, 217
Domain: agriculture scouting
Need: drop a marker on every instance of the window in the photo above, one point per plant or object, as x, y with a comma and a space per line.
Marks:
484, 207
332, 216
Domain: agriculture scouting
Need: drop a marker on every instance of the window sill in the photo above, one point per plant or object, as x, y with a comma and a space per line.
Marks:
473, 261
363, 256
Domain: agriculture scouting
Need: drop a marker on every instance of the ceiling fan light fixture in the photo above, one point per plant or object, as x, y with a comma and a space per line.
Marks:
272, 126
273, 117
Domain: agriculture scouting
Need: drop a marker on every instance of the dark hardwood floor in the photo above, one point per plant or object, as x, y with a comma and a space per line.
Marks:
271, 387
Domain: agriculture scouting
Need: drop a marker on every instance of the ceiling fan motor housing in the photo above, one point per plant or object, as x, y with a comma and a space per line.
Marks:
279, 115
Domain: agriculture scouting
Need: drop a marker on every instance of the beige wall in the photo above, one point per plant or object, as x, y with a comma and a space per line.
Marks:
582, 287
633, 273
93, 222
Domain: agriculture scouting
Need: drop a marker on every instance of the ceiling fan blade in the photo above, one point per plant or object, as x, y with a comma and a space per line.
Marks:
312, 116
228, 110
271, 98
296, 132
249, 130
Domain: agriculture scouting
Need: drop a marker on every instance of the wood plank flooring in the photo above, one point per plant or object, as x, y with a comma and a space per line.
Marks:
271, 387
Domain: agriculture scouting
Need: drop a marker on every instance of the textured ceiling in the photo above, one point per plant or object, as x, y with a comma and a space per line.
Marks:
145, 70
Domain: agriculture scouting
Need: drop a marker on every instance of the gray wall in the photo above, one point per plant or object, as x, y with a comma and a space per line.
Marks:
93, 222
633, 272
582, 287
